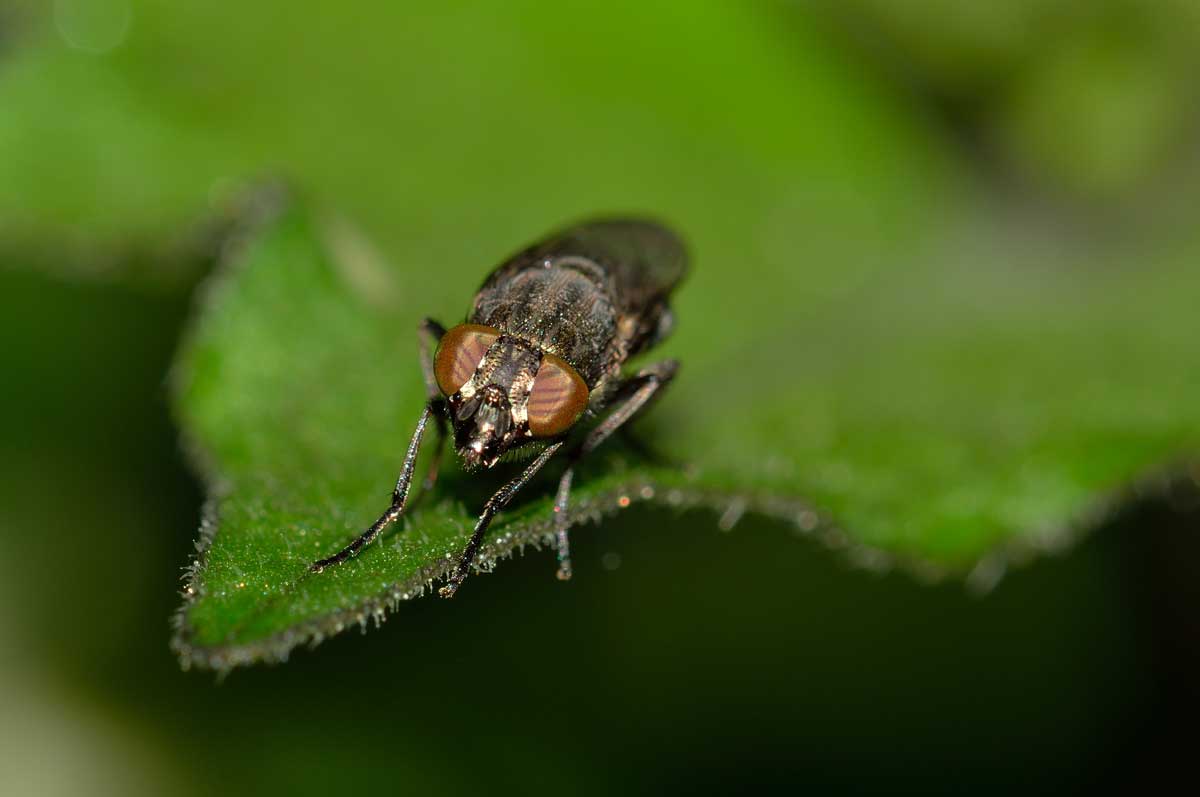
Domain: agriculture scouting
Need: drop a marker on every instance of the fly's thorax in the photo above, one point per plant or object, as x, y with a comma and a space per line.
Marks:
503, 392
562, 305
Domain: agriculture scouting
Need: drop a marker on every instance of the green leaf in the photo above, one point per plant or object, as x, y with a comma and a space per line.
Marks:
940, 414
896, 374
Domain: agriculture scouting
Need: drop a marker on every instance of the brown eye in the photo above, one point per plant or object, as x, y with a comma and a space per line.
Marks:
459, 353
558, 398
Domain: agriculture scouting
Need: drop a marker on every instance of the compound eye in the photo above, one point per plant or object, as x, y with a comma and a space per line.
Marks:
558, 398
459, 353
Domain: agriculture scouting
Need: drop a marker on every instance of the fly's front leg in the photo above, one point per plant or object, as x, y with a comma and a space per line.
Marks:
399, 498
632, 396
430, 333
493, 505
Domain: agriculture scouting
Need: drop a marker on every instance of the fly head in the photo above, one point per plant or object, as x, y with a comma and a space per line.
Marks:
504, 392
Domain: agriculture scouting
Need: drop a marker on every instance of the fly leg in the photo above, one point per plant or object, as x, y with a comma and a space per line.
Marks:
399, 498
632, 397
493, 505
430, 332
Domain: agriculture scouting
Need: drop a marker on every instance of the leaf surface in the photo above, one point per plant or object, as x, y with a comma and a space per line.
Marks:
938, 417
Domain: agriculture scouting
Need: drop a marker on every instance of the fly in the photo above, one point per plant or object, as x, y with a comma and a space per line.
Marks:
542, 347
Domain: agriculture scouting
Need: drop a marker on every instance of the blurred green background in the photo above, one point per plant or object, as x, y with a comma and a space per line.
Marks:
450, 133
